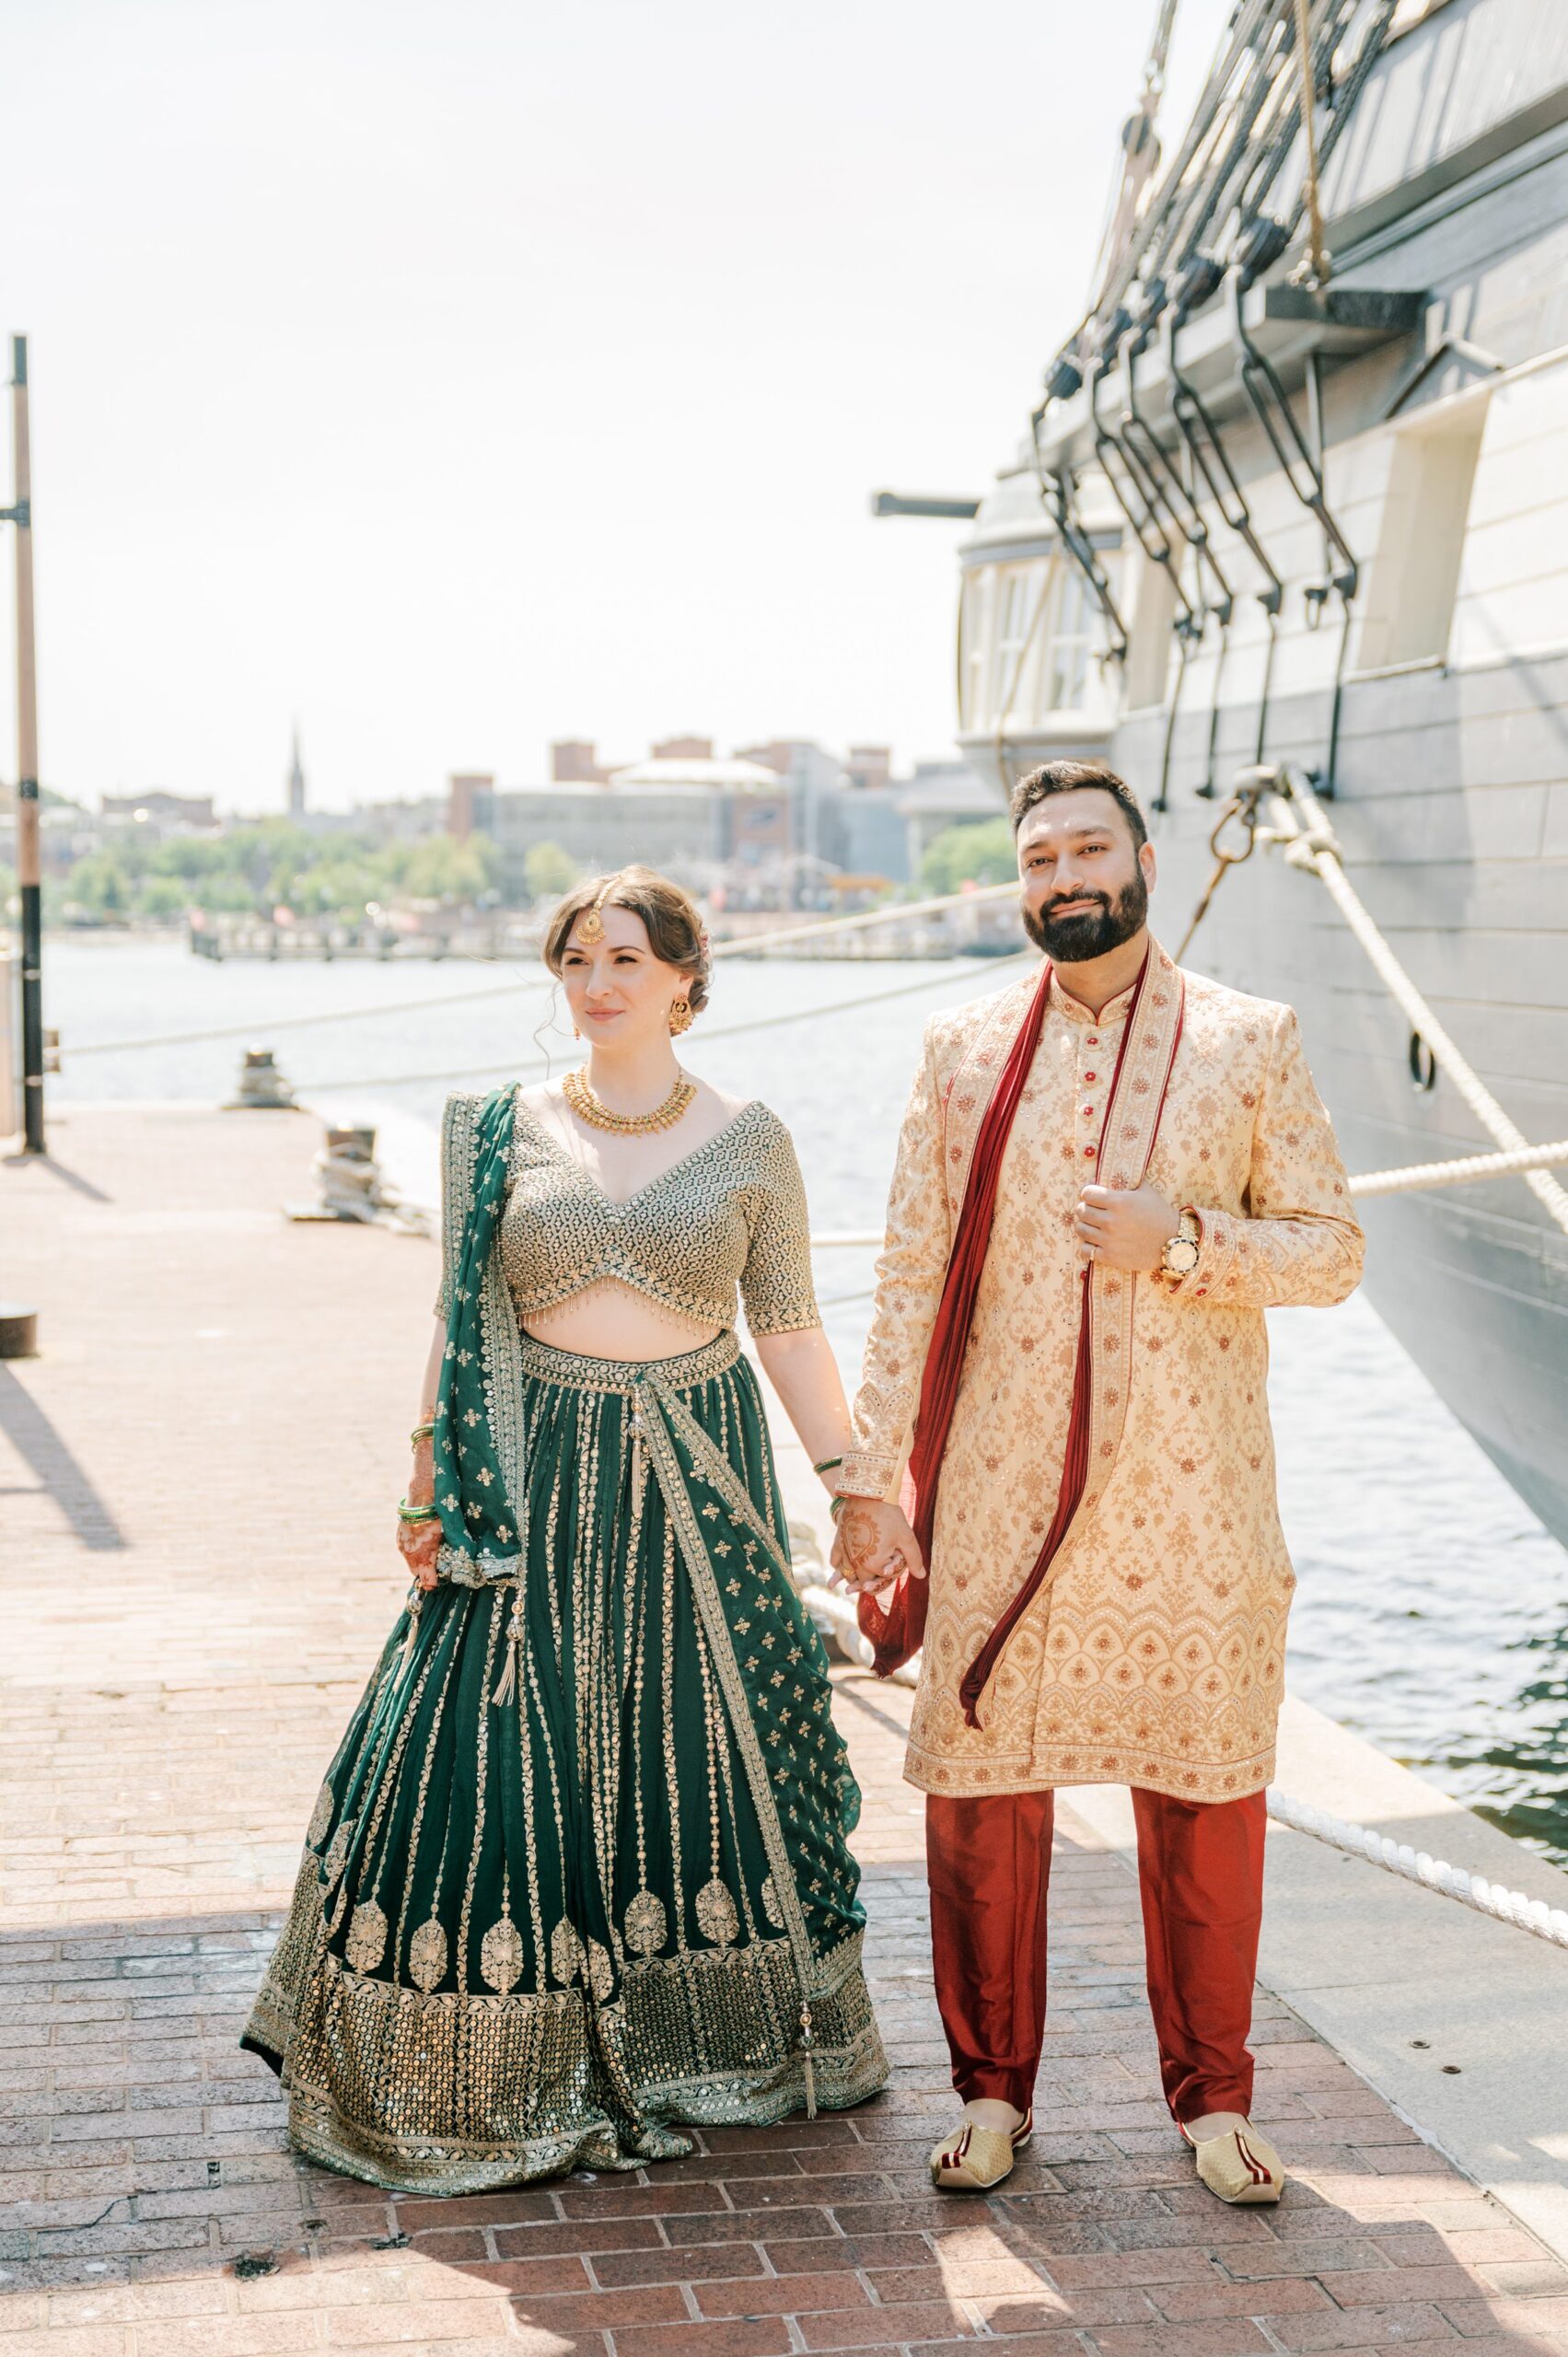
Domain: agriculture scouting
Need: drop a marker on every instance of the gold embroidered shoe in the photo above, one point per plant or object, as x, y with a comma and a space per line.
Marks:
1240, 2165
973, 2158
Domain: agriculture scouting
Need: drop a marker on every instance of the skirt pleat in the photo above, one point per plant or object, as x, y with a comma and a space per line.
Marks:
578, 1874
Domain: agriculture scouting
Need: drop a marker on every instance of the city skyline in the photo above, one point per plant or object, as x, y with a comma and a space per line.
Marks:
453, 381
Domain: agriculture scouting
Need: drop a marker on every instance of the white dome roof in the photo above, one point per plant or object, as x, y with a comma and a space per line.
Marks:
738, 777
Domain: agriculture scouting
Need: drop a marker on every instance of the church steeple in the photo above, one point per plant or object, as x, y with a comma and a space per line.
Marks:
296, 781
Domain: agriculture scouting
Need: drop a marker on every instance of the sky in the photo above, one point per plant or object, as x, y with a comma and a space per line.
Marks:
450, 376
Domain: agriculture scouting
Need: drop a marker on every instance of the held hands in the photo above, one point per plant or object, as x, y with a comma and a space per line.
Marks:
873, 1545
1124, 1229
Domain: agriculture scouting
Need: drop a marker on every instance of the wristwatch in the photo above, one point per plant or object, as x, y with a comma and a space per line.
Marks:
1182, 1251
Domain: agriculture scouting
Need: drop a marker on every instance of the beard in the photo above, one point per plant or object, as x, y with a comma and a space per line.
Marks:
1071, 941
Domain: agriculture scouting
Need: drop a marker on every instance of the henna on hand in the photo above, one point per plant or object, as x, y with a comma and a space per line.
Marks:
419, 1543
858, 1532
873, 1545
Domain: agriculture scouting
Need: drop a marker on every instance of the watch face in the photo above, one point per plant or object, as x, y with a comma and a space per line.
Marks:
1182, 1256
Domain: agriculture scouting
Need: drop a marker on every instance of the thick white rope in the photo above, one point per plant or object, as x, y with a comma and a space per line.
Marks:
1461, 1170
1418, 1865
1315, 848
741, 946
1406, 1178
1533, 1915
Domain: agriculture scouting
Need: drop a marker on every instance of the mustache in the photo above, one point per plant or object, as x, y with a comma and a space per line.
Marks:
1096, 899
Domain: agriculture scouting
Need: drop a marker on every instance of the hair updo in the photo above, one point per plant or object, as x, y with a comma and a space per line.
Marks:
670, 917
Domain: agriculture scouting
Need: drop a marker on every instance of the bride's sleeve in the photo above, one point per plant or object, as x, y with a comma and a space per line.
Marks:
776, 1284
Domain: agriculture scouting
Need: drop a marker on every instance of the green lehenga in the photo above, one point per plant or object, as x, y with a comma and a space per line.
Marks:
578, 1874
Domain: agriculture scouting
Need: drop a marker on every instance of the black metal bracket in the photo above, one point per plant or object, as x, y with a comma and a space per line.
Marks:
1134, 501
20, 514
1163, 483
1056, 489
1212, 460
1271, 406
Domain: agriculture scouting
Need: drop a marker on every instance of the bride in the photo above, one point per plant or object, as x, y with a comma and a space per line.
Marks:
578, 1874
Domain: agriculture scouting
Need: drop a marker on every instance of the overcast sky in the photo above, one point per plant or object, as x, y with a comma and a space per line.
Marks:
459, 374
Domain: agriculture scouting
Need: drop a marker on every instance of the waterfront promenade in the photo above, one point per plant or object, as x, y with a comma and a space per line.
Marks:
196, 1477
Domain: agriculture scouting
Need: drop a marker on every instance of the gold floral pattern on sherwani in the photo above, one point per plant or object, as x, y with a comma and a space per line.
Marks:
1155, 1655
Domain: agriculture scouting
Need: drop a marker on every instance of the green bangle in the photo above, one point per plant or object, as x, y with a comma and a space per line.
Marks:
422, 1431
417, 1514
826, 1465
836, 1507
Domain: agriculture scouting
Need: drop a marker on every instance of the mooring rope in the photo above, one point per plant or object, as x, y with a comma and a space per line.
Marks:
736, 946
1400, 1858
1315, 848
715, 1031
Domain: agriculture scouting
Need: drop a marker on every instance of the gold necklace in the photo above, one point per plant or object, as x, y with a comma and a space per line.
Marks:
588, 1107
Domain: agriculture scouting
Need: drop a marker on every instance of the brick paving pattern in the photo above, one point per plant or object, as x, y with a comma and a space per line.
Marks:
194, 1475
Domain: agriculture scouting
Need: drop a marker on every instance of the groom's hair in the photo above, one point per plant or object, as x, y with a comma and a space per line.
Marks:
1071, 777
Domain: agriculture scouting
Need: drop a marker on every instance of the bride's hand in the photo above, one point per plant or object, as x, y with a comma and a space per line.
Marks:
873, 1545
419, 1543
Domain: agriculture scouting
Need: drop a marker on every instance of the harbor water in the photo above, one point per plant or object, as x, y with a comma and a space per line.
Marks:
1433, 1608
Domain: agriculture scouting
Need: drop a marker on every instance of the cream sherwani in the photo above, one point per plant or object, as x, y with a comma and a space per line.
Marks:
1154, 1655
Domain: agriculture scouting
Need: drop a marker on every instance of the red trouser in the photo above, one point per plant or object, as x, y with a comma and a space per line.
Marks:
1201, 1873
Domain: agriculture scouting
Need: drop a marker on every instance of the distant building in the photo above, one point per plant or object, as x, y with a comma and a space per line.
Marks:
938, 795
751, 803
814, 777
163, 813
600, 827
574, 762
386, 823
296, 781
776, 824
862, 830
683, 749
870, 766
469, 792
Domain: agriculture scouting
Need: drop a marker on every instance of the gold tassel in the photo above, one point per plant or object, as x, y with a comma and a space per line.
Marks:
416, 1598
507, 1683
807, 2057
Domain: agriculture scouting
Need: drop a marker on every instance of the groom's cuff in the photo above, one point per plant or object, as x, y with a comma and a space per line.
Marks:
868, 1473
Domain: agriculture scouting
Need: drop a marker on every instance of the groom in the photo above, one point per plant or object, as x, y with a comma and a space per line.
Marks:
1106, 1174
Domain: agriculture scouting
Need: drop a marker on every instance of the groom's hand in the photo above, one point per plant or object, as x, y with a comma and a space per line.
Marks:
1124, 1228
873, 1545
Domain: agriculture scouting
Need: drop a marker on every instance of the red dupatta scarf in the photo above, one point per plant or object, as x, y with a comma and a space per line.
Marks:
1102, 1371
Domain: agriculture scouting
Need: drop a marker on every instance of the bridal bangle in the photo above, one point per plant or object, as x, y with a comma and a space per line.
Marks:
416, 1514
826, 1465
422, 1431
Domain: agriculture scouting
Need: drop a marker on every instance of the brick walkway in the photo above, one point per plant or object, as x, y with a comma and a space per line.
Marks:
174, 1694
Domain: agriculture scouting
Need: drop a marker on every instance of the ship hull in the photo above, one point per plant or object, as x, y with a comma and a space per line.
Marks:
1452, 819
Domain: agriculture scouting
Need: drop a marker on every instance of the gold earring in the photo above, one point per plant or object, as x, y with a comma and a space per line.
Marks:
680, 1016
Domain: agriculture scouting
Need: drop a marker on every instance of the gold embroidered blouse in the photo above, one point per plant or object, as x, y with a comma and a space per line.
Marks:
732, 1212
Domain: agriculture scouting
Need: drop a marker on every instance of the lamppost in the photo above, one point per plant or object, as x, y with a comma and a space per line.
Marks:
28, 875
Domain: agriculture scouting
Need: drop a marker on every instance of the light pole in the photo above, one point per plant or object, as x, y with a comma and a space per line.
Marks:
28, 875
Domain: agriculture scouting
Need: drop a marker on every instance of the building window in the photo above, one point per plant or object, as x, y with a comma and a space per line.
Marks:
974, 645
1072, 641
1017, 590
1409, 612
